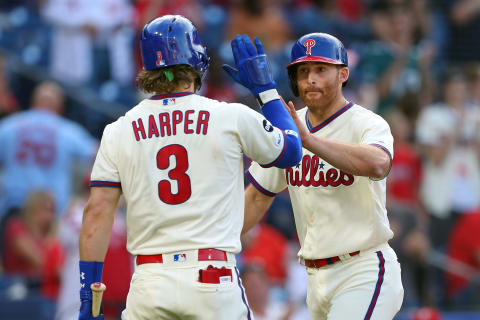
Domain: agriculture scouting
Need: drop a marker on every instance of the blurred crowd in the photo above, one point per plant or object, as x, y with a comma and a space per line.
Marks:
68, 67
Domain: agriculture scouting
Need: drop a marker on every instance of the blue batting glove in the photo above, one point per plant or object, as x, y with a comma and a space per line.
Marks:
253, 69
86, 311
90, 272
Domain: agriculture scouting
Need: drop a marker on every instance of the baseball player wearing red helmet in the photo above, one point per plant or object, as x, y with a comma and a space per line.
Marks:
337, 190
177, 157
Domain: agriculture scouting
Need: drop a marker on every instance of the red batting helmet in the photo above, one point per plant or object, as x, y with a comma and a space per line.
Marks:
315, 47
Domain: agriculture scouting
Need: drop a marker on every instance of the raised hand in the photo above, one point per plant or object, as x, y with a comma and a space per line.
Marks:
302, 129
253, 69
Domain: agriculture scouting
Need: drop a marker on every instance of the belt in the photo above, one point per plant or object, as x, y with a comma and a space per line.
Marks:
318, 263
203, 255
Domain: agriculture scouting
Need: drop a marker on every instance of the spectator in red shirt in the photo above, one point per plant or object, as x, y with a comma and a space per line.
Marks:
464, 262
31, 249
265, 246
406, 217
405, 175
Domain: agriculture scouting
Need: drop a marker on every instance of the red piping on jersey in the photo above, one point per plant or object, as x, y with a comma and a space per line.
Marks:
258, 186
99, 183
378, 286
330, 119
170, 95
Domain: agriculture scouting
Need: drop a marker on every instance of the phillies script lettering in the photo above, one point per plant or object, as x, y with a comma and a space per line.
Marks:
309, 177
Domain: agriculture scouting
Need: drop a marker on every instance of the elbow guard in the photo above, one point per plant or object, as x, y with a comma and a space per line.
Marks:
293, 150
278, 115
291, 153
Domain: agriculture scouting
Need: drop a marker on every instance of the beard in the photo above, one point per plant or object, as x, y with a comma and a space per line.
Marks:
316, 97
323, 94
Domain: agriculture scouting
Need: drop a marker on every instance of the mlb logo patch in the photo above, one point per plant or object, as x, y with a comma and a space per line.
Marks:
181, 257
168, 101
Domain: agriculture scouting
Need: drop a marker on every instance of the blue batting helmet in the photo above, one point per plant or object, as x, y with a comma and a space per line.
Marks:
172, 40
315, 47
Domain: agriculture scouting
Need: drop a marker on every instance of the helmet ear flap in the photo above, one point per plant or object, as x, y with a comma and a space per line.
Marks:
292, 77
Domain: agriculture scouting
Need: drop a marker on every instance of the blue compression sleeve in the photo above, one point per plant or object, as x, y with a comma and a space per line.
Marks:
277, 114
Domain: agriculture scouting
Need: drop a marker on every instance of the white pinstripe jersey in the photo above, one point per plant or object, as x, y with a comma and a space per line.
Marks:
179, 161
335, 212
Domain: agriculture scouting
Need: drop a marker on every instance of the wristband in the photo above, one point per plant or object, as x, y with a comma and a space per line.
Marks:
265, 97
90, 272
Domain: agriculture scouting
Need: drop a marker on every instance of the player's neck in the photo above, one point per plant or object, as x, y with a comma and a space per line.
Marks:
316, 115
190, 88
180, 88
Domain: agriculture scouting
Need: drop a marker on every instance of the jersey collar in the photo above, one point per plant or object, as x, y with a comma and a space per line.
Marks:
170, 95
328, 120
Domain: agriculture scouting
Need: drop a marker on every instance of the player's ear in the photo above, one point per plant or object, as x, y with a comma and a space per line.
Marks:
343, 74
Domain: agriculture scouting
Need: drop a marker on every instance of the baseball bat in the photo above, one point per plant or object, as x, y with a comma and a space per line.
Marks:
97, 293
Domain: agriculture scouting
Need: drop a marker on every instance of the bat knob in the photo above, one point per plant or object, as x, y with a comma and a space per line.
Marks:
98, 286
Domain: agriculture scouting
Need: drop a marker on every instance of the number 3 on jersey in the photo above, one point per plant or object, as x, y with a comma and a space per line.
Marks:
178, 173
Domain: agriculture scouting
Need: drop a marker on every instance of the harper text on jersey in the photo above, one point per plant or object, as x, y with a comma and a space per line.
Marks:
190, 121
310, 165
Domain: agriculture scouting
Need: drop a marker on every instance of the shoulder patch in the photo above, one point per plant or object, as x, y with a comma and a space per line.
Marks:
267, 125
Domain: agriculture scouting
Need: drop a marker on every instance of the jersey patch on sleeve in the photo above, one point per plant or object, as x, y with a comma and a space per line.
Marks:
267, 125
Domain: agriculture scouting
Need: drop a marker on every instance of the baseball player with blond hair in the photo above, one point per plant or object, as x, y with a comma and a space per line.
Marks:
337, 190
177, 157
